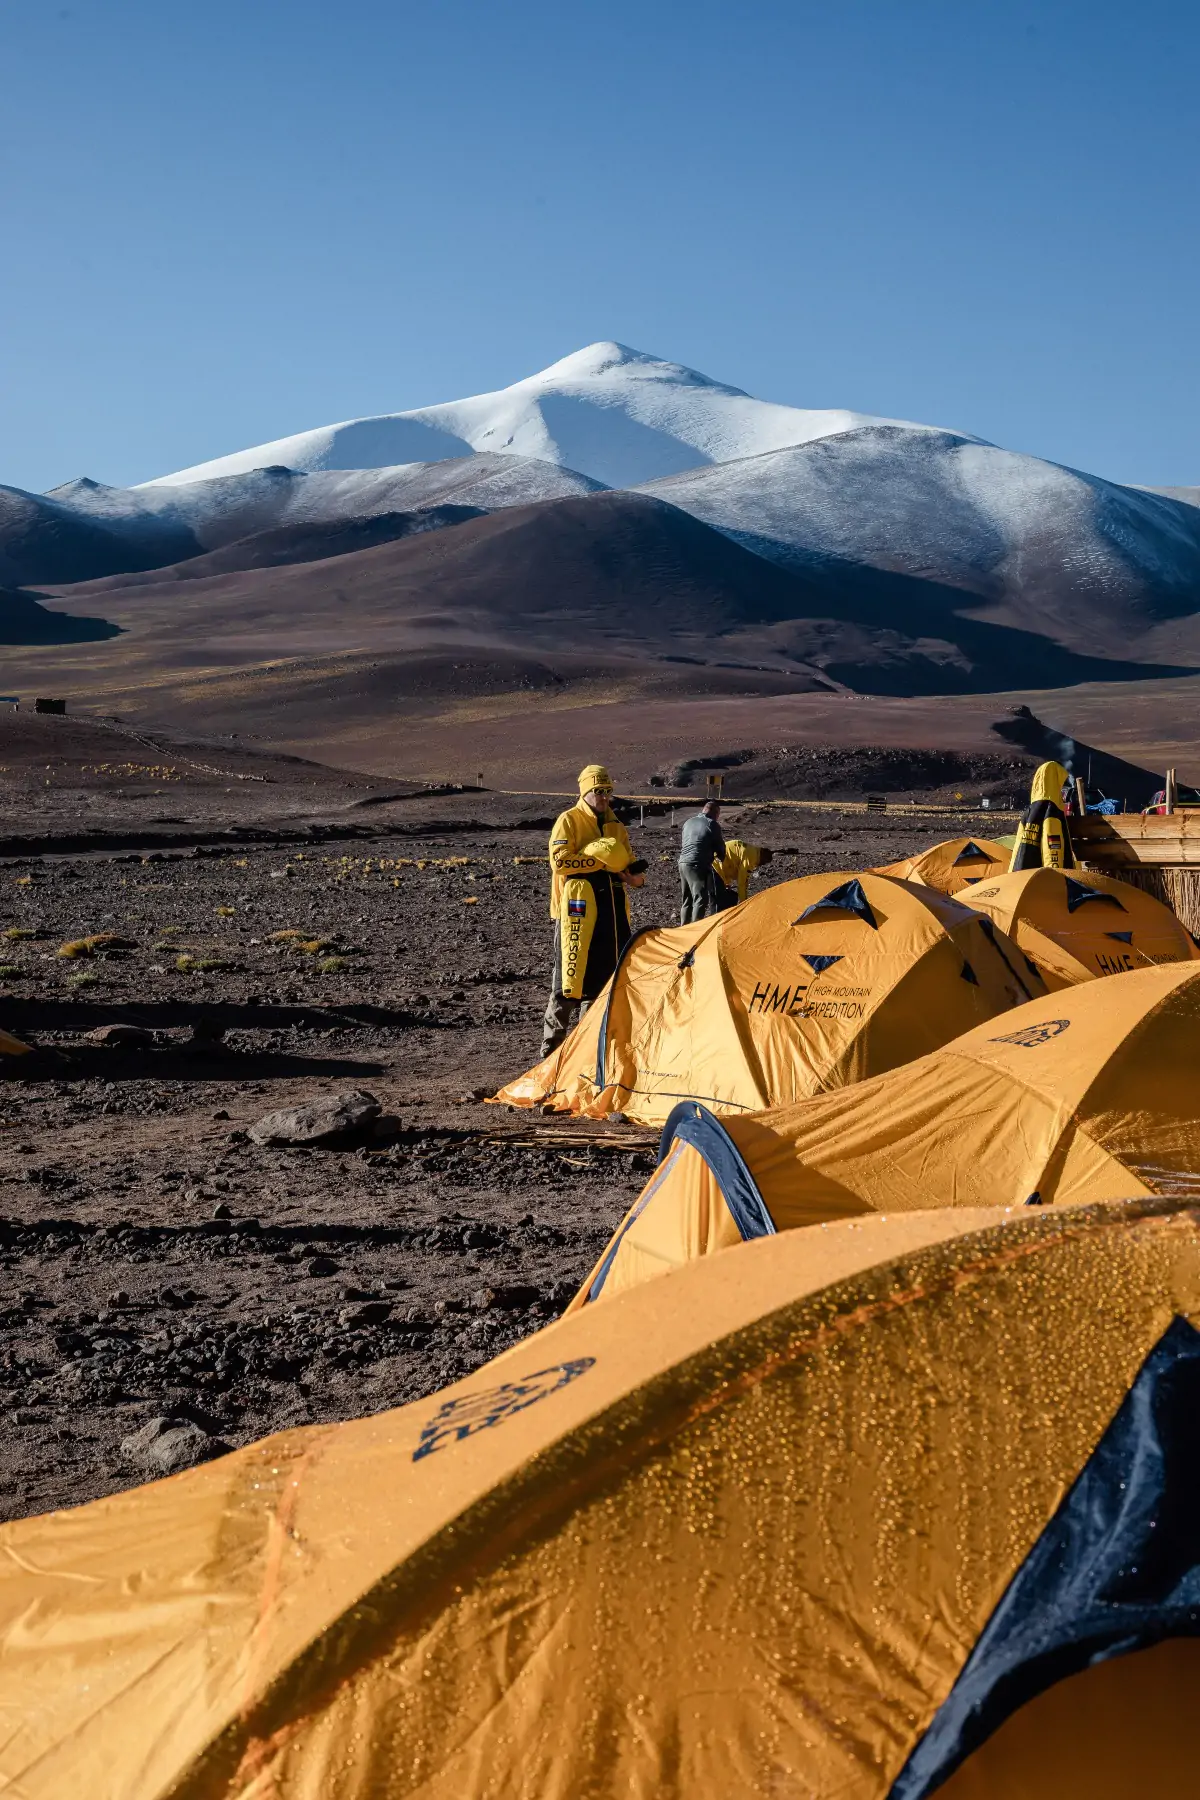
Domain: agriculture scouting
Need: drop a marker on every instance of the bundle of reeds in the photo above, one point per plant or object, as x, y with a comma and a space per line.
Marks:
1178, 888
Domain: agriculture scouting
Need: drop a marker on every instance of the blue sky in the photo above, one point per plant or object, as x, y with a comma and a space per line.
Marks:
227, 221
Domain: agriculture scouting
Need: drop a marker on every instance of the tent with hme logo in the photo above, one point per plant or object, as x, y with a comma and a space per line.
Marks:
903, 1507
1075, 925
808, 985
958, 863
1081, 1096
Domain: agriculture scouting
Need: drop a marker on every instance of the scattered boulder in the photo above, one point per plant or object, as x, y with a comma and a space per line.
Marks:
375, 1312
121, 1037
178, 1299
165, 1445
323, 1265
330, 1120
511, 1297
205, 1033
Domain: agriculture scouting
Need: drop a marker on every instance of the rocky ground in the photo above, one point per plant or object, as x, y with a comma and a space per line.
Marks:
171, 1284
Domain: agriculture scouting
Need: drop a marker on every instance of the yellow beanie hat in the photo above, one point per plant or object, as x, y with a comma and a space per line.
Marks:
594, 776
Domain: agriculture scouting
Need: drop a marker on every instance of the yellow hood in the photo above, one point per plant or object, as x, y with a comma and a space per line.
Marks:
1048, 783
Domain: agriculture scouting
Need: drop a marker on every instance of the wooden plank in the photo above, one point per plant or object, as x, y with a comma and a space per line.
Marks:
1155, 840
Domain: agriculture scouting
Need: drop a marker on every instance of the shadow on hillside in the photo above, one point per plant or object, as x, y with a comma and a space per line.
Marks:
24, 621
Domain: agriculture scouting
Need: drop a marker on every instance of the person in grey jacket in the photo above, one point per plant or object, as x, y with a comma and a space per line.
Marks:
703, 845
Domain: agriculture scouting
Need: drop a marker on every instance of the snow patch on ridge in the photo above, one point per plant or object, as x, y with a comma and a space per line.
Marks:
228, 507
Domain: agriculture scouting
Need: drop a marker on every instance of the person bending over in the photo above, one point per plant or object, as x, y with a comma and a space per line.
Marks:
733, 872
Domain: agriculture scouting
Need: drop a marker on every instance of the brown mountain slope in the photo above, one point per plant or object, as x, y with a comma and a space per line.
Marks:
607, 574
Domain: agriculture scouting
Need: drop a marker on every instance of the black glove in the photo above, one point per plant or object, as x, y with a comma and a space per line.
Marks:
639, 867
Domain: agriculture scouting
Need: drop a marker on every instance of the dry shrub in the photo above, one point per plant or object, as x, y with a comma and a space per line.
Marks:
18, 933
89, 946
331, 965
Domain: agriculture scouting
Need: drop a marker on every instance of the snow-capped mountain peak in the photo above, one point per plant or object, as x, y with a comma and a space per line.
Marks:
610, 412
610, 360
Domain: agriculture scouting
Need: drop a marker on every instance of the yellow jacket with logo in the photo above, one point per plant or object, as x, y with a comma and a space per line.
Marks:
1043, 838
580, 844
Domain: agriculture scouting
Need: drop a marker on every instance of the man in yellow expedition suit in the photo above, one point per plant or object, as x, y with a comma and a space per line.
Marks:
1043, 836
591, 865
734, 870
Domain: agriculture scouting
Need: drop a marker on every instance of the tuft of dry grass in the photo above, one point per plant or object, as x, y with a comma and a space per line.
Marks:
19, 933
226, 912
8, 969
331, 965
84, 978
287, 936
88, 946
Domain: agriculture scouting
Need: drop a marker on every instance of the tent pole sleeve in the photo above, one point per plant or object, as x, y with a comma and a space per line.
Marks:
691, 1123
602, 1041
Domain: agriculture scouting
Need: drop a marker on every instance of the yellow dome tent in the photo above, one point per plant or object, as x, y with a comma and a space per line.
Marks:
808, 985
1081, 1096
907, 1509
1075, 925
957, 863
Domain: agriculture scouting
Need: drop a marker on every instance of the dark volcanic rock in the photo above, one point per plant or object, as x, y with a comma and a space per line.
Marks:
326, 1121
